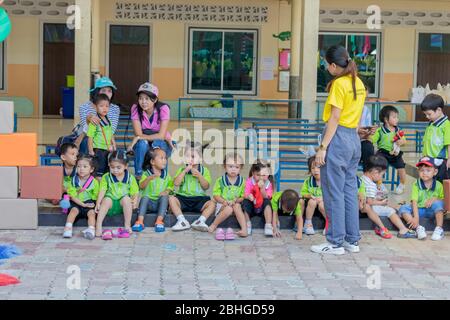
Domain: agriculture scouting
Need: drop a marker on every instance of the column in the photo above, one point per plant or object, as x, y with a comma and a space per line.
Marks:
294, 79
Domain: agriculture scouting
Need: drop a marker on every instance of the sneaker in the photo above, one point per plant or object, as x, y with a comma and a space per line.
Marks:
68, 233
138, 227
89, 233
383, 232
411, 234
160, 228
268, 230
181, 225
328, 248
309, 230
200, 226
421, 233
351, 247
400, 189
438, 234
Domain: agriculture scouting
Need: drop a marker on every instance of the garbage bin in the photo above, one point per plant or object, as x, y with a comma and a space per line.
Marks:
68, 102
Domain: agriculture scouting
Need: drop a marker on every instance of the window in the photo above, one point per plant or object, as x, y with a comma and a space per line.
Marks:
364, 49
2, 66
222, 61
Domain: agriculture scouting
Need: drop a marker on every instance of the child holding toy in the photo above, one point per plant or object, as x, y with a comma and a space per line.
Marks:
83, 190
156, 184
118, 194
388, 139
229, 194
101, 138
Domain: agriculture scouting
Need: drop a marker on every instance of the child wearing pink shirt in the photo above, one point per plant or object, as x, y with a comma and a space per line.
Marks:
257, 195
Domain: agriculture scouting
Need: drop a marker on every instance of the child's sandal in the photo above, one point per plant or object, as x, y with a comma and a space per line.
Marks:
107, 235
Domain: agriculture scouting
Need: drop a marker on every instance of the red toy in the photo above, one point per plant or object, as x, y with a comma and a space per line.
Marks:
400, 134
6, 280
256, 192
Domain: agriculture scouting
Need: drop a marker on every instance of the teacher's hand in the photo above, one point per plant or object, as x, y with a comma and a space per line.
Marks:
320, 157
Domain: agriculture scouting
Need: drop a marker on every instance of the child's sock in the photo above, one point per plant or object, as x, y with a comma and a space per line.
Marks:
69, 225
181, 218
202, 219
308, 222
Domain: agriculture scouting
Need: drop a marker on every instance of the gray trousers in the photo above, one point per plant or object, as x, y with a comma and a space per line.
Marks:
160, 206
339, 186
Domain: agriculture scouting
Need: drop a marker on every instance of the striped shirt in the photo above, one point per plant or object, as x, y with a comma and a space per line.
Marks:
88, 108
373, 190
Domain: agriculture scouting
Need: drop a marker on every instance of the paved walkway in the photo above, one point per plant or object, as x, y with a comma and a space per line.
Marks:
193, 265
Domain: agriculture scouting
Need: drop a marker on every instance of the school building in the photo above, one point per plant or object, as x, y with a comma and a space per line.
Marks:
207, 48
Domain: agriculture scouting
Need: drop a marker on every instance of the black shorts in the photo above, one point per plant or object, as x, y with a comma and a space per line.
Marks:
395, 161
443, 172
101, 157
82, 212
192, 204
249, 207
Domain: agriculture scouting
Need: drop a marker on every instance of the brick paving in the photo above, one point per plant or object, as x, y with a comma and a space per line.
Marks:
192, 265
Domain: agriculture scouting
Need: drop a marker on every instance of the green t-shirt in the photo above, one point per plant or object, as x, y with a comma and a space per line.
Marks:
95, 132
361, 187
437, 138
276, 205
68, 177
156, 186
116, 189
311, 188
228, 191
190, 186
384, 138
90, 193
421, 194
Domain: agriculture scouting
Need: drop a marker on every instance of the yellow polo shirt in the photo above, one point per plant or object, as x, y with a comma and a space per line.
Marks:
341, 96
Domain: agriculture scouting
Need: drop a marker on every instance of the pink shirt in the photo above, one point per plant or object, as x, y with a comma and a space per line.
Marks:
250, 182
155, 125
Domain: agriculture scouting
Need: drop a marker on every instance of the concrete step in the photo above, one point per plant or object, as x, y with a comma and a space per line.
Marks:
52, 217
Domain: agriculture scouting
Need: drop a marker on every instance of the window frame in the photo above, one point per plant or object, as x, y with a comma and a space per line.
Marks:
379, 55
190, 32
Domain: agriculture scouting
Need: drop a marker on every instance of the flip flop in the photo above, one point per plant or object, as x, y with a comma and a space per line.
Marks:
220, 234
229, 235
107, 235
123, 233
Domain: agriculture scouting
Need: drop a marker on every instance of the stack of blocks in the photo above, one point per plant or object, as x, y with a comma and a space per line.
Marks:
18, 154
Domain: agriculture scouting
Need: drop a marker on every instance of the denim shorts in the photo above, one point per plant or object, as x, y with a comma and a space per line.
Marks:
436, 207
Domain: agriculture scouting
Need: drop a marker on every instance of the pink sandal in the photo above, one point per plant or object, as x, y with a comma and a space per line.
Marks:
121, 233
107, 235
229, 235
220, 234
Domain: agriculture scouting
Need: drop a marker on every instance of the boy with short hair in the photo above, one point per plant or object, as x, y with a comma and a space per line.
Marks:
426, 200
284, 203
69, 155
385, 140
436, 141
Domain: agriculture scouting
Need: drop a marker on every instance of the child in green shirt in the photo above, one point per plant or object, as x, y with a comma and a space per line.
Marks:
156, 185
384, 140
192, 181
436, 141
101, 138
229, 193
426, 200
312, 193
119, 193
83, 192
285, 203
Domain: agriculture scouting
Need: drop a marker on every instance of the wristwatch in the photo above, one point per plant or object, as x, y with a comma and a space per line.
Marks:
322, 147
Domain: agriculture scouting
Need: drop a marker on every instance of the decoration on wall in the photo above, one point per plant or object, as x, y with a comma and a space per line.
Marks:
191, 12
283, 36
284, 59
5, 25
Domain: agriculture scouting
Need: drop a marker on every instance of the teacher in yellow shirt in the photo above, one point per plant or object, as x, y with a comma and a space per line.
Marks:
340, 152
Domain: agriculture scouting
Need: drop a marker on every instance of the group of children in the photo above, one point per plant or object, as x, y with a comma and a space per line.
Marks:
99, 184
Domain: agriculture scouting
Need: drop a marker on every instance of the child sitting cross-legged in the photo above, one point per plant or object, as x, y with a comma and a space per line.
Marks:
427, 196
229, 193
376, 203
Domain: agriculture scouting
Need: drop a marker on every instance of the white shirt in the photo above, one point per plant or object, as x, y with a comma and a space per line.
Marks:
373, 190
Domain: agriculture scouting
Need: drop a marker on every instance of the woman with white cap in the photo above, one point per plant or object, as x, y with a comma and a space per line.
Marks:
151, 119
88, 112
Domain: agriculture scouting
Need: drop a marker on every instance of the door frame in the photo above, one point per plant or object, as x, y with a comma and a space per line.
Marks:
41, 60
107, 43
416, 55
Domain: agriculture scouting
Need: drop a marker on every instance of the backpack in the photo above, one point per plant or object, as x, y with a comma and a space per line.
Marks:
68, 139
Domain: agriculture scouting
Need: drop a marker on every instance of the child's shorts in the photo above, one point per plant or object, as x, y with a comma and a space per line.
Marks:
82, 212
192, 204
116, 208
436, 207
384, 211
395, 161
101, 157
249, 207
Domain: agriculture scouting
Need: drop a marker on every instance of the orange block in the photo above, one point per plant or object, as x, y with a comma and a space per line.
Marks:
41, 182
18, 150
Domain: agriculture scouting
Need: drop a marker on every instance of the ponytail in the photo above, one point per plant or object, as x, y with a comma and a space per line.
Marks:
340, 57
